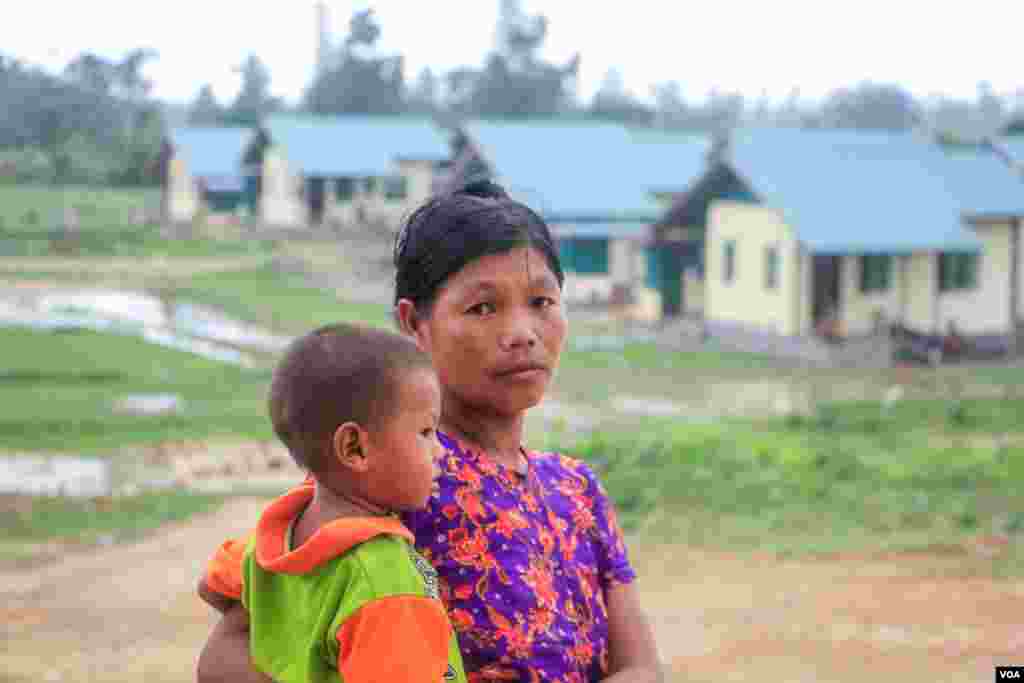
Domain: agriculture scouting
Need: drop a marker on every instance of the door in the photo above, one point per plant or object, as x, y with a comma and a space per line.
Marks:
317, 188
253, 188
825, 296
665, 265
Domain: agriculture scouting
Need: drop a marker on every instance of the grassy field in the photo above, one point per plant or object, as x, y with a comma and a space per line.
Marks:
26, 524
929, 471
919, 474
282, 301
32, 225
58, 391
805, 488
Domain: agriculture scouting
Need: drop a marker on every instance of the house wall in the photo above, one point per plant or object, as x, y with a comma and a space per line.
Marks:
693, 293
622, 269
419, 176
857, 308
984, 309
375, 207
689, 275
914, 299
804, 304
280, 202
647, 305
921, 282
1020, 272
183, 200
745, 301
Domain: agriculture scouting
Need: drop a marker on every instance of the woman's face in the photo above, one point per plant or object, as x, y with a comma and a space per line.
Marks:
496, 331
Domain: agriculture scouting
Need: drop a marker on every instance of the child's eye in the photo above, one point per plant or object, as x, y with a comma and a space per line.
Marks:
484, 308
543, 302
428, 432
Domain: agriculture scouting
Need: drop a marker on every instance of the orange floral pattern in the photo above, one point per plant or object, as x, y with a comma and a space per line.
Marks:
524, 564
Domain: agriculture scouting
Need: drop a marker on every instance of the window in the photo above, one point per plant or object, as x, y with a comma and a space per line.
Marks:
957, 271
395, 188
771, 267
584, 256
653, 274
729, 262
875, 273
344, 189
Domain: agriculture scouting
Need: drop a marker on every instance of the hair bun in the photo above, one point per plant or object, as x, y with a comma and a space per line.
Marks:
483, 188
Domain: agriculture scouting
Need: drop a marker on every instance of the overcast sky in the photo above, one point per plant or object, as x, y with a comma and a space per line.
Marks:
751, 46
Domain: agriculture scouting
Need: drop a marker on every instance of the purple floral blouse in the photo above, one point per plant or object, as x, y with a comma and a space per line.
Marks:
524, 563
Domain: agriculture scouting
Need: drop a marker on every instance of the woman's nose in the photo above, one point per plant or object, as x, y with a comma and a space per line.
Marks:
519, 334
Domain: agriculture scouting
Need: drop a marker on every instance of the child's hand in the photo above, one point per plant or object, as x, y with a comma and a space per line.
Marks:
219, 602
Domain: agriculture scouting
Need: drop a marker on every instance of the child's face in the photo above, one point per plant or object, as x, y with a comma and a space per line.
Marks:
405, 450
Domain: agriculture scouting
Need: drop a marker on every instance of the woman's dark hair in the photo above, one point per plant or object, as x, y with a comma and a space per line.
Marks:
450, 231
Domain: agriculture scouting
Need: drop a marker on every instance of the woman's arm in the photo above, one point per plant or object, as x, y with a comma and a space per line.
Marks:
633, 651
225, 658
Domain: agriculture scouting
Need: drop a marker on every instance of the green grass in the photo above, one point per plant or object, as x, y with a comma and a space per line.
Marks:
58, 391
30, 521
647, 356
951, 417
98, 208
807, 489
32, 220
281, 301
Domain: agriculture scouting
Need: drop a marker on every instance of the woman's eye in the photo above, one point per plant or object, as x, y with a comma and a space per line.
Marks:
543, 302
482, 309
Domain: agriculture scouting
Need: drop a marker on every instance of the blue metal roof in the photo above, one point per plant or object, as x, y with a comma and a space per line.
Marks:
1014, 147
571, 169
601, 230
355, 146
858, 192
211, 151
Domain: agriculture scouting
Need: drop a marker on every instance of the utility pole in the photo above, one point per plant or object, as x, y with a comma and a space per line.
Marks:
323, 42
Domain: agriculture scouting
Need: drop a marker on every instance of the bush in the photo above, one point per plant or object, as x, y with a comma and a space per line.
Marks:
26, 165
781, 477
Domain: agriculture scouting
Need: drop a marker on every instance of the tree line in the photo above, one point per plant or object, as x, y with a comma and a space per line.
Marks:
93, 124
96, 122
515, 81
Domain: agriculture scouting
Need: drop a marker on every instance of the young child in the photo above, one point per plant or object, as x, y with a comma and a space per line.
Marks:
330, 580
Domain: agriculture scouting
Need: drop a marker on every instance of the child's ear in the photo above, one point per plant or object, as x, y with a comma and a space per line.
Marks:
350, 447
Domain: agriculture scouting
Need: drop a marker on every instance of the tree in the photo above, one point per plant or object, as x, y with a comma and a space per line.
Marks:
991, 108
871, 106
360, 82
92, 124
91, 72
613, 102
129, 82
514, 81
254, 100
122, 79
205, 110
1015, 127
424, 97
363, 30
670, 108
724, 111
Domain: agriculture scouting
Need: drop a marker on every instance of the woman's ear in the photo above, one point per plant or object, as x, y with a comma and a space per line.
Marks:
411, 323
350, 447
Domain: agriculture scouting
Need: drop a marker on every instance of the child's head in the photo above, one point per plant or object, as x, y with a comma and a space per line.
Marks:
358, 408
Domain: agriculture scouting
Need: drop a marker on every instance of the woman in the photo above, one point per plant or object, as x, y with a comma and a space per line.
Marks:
531, 561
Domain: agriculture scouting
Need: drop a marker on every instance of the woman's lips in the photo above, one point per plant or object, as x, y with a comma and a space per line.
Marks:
524, 371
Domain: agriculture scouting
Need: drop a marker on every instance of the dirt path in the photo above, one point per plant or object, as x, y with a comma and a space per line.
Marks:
128, 613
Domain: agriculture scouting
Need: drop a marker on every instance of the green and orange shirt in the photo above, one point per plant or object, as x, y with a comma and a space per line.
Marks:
355, 600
